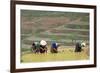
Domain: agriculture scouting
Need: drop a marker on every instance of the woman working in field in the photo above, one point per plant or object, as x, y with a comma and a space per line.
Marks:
54, 47
39, 47
78, 46
36, 47
43, 48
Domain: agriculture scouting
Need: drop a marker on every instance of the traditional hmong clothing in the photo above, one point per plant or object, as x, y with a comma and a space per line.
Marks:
35, 47
43, 49
54, 48
78, 47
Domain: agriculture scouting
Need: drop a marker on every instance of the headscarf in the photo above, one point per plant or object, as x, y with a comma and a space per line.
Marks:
43, 42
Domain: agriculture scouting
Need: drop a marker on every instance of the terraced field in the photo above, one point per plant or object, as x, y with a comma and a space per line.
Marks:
65, 28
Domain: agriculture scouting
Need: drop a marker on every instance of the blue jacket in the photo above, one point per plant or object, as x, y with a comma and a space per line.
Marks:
54, 45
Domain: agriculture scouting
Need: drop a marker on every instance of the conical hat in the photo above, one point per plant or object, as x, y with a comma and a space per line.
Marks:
43, 42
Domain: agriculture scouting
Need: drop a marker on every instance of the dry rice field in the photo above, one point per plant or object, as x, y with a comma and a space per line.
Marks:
65, 54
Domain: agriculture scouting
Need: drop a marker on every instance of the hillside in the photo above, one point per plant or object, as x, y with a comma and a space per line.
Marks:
65, 28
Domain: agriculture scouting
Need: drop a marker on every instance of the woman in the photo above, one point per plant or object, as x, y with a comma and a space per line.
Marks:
35, 47
78, 46
43, 48
54, 47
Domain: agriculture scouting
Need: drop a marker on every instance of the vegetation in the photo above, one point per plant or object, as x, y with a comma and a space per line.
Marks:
62, 27
64, 54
